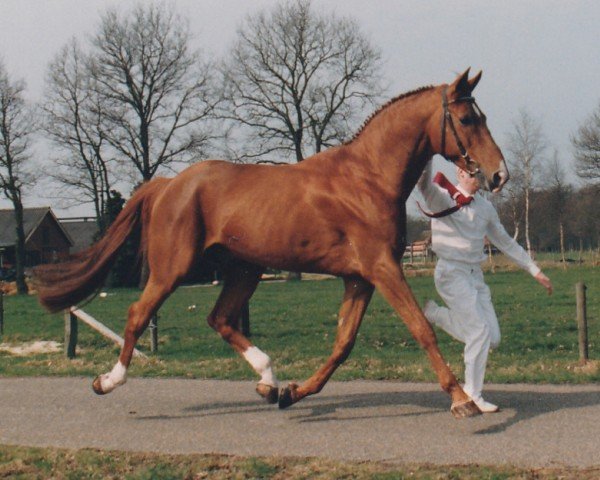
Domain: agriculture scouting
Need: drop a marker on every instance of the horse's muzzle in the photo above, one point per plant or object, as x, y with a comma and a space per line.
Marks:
499, 178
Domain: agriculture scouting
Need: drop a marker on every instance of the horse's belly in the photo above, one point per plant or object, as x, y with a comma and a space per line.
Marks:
294, 253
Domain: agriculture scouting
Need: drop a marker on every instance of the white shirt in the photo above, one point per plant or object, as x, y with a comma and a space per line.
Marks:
460, 236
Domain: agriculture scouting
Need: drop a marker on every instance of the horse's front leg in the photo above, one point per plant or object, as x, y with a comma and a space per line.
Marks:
357, 295
388, 278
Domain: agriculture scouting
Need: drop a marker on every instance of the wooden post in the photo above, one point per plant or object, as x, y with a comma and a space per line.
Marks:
103, 329
154, 333
70, 334
245, 319
582, 322
1, 312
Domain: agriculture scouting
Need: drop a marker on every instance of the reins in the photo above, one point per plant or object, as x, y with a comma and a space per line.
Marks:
472, 165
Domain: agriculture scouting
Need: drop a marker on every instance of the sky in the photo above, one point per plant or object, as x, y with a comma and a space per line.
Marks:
542, 56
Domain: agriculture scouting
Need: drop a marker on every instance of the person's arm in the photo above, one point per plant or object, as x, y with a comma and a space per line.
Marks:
508, 245
435, 197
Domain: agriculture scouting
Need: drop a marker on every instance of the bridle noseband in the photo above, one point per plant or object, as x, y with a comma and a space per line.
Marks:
472, 165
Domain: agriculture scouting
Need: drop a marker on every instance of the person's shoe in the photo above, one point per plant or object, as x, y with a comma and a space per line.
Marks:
486, 407
430, 305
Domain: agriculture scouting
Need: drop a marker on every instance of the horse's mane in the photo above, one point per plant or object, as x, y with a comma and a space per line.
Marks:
383, 107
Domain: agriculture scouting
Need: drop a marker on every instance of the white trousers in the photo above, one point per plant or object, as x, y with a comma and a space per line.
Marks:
470, 317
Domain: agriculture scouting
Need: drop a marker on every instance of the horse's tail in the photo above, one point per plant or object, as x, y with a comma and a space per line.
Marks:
62, 285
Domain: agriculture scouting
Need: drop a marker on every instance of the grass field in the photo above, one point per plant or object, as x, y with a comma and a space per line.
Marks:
295, 323
58, 464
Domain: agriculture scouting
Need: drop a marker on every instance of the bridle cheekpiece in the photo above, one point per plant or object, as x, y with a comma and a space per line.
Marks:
472, 167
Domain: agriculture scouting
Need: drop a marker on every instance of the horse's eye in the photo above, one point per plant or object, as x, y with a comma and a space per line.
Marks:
467, 120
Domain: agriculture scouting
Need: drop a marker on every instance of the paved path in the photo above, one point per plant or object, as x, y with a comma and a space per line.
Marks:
361, 420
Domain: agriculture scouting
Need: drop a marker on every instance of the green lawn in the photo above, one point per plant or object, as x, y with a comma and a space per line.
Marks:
59, 464
295, 324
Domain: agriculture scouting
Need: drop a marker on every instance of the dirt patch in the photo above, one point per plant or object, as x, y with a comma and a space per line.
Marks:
31, 348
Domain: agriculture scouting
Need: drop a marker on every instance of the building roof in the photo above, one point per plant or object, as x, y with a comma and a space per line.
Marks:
83, 231
32, 217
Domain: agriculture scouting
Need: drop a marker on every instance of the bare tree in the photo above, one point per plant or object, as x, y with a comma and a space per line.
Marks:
74, 123
295, 78
586, 143
512, 193
16, 126
526, 145
153, 90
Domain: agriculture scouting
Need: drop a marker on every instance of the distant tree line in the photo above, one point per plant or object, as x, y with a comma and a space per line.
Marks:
134, 100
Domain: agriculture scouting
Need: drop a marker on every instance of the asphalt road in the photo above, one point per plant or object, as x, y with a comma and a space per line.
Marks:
539, 425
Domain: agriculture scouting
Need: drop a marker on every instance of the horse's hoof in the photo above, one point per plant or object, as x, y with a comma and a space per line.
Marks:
465, 409
97, 386
287, 395
268, 392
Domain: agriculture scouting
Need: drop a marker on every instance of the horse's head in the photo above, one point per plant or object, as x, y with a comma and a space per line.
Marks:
464, 137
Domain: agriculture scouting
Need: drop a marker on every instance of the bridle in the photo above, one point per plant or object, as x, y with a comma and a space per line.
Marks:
472, 167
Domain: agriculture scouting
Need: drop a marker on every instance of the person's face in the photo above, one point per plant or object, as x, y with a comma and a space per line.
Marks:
469, 183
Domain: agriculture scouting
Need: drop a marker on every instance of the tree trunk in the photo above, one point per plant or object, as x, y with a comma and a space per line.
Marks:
516, 234
527, 241
562, 245
22, 288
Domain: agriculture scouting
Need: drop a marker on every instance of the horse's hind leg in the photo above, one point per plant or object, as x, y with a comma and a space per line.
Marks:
357, 295
169, 259
138, 318
240, 282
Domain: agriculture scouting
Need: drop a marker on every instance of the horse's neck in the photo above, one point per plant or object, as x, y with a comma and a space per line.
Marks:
395, 143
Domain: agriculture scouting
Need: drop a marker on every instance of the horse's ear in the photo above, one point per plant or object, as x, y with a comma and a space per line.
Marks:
475, 80
461, 85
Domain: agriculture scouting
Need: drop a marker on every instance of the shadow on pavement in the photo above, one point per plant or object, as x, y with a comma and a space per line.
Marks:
322, 408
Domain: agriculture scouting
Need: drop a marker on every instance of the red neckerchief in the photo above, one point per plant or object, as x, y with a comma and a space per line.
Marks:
460, 199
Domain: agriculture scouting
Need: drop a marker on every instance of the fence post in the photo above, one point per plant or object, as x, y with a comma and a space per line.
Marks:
582, 322
154, 333
1, 312
70, 334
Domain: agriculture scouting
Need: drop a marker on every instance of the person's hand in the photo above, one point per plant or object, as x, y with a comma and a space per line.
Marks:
544, 281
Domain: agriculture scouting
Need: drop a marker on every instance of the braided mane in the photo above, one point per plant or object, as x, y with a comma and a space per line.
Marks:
383, 107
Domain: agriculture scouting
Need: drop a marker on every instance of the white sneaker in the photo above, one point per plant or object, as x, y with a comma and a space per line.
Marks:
486, 407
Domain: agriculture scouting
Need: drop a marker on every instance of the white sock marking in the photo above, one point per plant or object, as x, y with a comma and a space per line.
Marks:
117, 376
261, 363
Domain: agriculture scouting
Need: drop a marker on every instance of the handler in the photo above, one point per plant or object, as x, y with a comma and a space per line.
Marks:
461, 221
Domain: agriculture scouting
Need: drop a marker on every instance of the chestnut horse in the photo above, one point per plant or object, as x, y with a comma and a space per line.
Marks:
341, 211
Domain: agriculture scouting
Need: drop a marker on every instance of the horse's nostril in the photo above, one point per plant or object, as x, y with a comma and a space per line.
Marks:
496, 180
